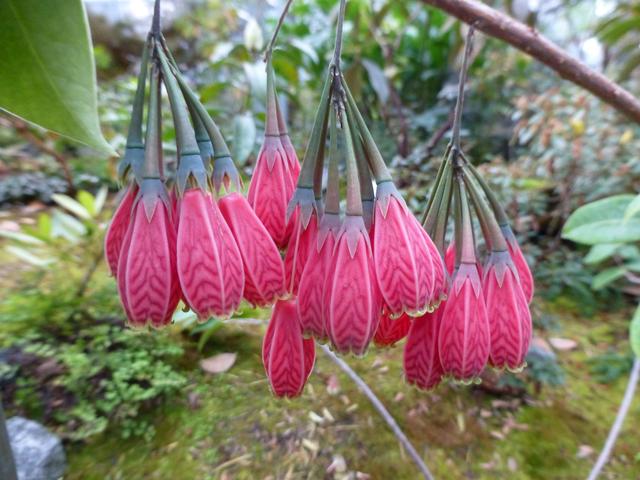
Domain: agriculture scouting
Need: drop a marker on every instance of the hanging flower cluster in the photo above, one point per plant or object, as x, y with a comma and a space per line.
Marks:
357, 275
486, 317
191, 236
356, 269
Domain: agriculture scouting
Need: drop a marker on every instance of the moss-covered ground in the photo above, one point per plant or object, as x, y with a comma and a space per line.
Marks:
228, 426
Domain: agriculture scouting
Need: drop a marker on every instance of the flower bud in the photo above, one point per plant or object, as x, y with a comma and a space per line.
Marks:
270, 190
287, 357
209, 262
402, 258
422, 366
508, 313
301, 244
391, 330
117, 229
147, 279
312, 280
524, 273
263, 269
351, 298
464, 338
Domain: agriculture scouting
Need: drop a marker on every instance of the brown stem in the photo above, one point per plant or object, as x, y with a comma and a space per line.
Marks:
23, 130
503, 27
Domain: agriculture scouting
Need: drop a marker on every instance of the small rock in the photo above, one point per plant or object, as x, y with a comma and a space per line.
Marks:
38, 454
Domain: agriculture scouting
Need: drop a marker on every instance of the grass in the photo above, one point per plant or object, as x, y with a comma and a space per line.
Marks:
230, 426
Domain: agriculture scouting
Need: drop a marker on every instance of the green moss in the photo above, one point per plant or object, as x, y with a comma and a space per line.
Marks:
240, 430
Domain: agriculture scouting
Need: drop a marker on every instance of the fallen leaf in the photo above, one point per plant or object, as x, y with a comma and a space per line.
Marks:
218, 363
333, 385
563, 343
584, 451
541, 343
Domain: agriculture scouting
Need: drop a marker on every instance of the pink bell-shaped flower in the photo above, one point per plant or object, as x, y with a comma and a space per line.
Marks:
464, 337
270, 190
312, 280
403, 260
147, 279
300, 246
273, 183
117, 229
209, 262
422, 366
508, 313
391, 330
351, 298
524, 272
263, 268
288, 358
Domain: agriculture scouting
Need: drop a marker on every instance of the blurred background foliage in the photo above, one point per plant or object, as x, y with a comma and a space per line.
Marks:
546, 146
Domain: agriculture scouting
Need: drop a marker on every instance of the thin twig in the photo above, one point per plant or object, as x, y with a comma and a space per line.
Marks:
457, 116
155, 24
617, 424
384, 413
269, 50
337, 52
501, 26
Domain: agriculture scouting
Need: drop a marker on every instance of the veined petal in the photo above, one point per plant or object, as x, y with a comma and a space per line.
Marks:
464, 338
270, 191
352, 301
287, 357
150, 281
422, 366
263, 268
117, 229
209, 262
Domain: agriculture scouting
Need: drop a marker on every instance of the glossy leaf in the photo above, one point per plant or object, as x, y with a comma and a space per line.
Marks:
48, 69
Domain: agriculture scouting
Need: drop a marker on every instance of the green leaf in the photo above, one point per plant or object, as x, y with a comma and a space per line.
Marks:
606, 231
378, 80
601, 252
21, 237
602, 222
72, 205
87, 201
634, 333
607, 276
244, 137
100, 199
48, 73
304, 47
633, 208
27, 256
605, 209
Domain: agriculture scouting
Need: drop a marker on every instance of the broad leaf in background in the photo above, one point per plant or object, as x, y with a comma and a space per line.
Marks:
244, 137
603, 222
48, 72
